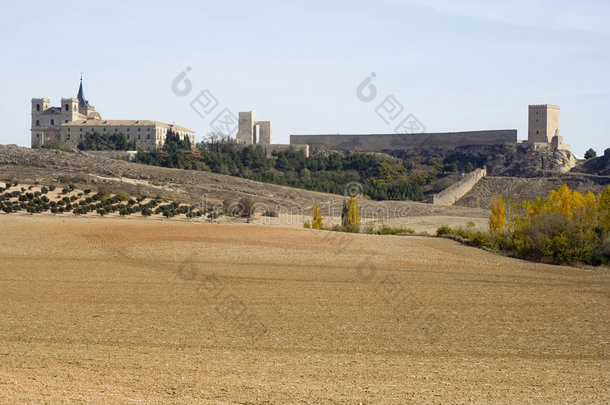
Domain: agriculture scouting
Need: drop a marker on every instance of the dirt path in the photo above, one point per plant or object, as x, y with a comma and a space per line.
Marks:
112, 311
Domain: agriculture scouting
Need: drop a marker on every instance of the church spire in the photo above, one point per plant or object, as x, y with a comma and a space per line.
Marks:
81, 95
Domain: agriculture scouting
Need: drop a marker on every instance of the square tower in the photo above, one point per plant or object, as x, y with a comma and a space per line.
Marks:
245, 132
40, 121
543, 123
265, 129
69, 110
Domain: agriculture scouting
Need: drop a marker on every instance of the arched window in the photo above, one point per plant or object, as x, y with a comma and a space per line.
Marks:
37, 107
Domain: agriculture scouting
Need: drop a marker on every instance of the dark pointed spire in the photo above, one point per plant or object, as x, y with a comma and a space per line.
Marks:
81, 95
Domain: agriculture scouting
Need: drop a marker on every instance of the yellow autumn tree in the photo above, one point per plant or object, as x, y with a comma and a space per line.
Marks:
498, 214
561, 201
353, 213
590, 209
317, 217
603, 210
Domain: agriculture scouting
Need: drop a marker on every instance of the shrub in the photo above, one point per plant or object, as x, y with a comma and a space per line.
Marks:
388, 230
123, 196
555, 238
444, 230
350, 229
246, 204
307, 225
103, 191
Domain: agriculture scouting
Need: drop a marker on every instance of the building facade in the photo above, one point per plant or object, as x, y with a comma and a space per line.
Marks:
75, 117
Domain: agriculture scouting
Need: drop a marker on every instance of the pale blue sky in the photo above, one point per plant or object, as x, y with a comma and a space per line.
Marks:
455, 65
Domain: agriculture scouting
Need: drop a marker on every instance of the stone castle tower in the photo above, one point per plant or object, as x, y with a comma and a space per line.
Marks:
251, 131
543, 125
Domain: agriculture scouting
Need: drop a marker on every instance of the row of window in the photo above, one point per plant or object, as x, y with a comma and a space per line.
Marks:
139, 136
52, 122
104, 129
67, 107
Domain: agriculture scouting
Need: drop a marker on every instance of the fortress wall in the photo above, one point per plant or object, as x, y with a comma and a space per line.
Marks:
379, 143
451, 194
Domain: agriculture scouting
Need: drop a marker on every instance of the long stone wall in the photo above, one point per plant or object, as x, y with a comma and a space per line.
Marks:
384, 142
451, 194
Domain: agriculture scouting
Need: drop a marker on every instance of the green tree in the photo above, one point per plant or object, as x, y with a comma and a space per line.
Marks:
246, 205
590, 154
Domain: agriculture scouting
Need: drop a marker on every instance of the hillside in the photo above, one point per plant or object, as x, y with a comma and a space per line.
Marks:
46, 166
520, 188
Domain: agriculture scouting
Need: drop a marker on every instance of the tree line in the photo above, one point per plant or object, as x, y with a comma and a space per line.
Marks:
382, 177
566, 226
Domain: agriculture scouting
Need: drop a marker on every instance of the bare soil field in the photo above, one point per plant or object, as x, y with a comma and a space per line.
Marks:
136, 311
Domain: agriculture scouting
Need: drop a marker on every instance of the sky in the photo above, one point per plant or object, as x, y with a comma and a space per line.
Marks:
313, 66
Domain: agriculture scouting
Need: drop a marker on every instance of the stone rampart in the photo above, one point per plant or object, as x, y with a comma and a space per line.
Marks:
451, 194
385, 142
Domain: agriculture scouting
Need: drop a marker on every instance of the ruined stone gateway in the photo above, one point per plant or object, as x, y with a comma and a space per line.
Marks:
253, 132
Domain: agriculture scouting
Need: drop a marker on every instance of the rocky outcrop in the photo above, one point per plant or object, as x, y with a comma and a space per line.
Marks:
599, 166
516, 160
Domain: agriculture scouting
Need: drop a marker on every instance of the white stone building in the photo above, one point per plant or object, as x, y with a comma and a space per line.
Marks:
75, 117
